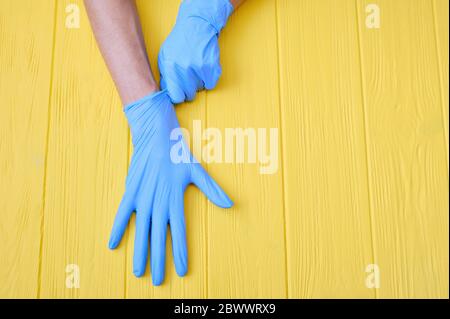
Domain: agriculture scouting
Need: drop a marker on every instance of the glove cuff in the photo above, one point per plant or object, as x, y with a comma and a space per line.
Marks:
140, 114
151, 98
215, 12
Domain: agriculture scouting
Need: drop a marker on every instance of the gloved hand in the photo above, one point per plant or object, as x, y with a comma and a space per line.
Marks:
189, 58
158, 175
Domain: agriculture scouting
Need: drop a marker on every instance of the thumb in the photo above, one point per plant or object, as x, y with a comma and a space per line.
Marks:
209, 187
181, 83
212, 76
173, 89
212, 70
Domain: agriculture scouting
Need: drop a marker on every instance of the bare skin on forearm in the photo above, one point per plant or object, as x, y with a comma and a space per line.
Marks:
117, 28
118, 32
236, 3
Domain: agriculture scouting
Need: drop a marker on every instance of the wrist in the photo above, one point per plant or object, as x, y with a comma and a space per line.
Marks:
134, 91
215, 12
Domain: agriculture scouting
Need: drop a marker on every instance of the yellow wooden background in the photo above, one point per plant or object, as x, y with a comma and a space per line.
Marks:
363, 177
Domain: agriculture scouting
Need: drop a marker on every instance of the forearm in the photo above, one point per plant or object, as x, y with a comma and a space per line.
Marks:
118, 32
236, 3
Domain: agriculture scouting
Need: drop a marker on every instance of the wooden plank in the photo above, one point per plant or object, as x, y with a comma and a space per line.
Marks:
86, 168
406, 149
327, 198
158, 18
26, 35
397, 122
246, 248
441, 9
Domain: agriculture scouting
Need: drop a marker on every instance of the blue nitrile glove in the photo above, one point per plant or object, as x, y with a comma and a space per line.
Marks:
189, 58
158, 175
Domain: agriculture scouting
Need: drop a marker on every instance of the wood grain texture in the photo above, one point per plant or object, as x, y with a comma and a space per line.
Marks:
246, 248
441, 9
26, 37
406, 150
158, 18
86, 168
327, 204
362, 118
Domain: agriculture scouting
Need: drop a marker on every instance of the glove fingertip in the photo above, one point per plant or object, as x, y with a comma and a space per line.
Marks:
212, 83
157, 278
229, 204
213, 78
139, 266
114, 241
176, 96
218, 196
112, 244
210, 86
157, 267
181, 270
180, 259
210, 188
138, 273
191, 96
220, 199
225, 202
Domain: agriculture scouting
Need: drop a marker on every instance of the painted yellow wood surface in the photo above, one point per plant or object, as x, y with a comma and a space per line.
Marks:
441, 8
327, 208
246, 247
408, 179
362, 118
25, 73
86, 168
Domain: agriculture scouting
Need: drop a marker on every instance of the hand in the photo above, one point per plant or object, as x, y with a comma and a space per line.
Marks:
189, 59
161, 169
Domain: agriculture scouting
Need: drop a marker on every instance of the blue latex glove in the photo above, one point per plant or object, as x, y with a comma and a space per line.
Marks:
189, 59
155, 186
